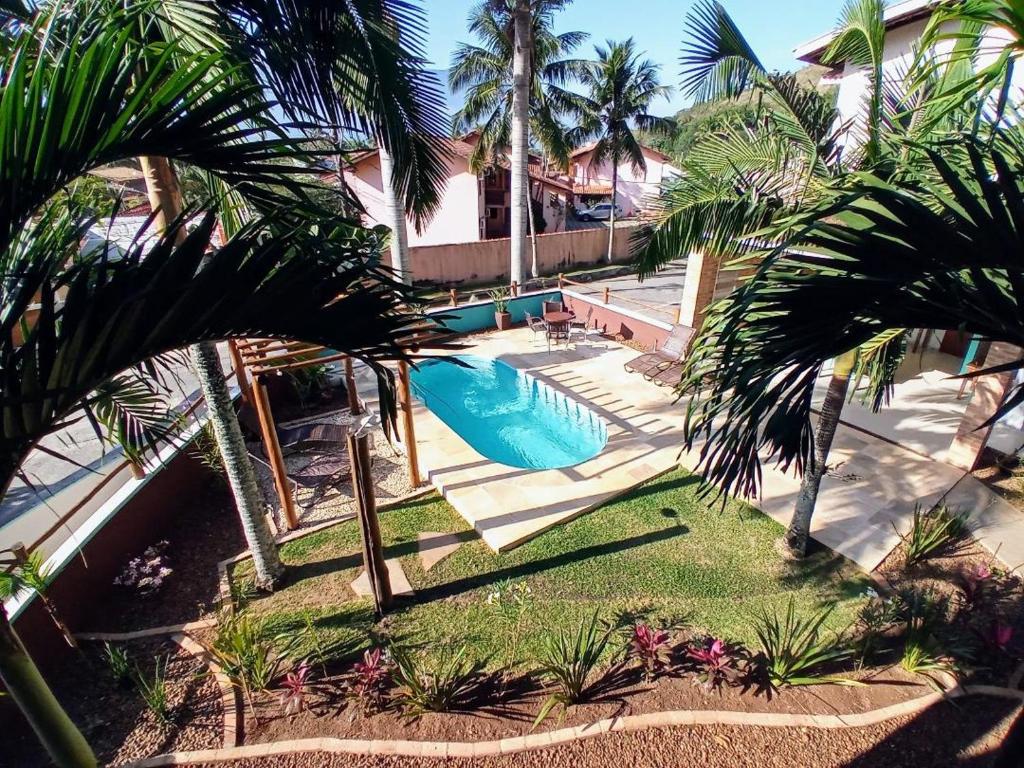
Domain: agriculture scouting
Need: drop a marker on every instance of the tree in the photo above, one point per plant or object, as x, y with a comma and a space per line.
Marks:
82, 87
486, 73
621, 87
742, 179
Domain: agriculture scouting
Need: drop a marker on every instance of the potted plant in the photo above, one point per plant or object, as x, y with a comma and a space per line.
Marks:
502, 317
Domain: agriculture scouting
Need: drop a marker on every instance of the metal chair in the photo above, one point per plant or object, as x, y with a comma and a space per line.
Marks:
536, 324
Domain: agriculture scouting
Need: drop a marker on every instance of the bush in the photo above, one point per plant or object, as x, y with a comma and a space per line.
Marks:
925, 615
368, 681
438, 684
294, 690
567, 663
793, 651
650, 647
932, 533
717, 663
119, 662
247, 654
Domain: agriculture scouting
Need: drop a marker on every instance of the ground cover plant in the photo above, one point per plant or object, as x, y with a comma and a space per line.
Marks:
655, 555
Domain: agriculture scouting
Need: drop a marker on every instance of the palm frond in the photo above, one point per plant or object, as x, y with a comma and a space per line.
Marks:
717, 61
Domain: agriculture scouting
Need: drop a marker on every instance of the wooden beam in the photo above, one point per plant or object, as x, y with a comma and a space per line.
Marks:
408, 427
350, 387
239, 367
296, 365
369, 526
277, 466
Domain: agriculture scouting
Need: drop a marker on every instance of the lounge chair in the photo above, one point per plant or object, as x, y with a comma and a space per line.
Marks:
321, 473
296, 438
651, 364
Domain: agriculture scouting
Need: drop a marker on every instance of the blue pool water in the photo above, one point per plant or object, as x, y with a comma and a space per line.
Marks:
507, 415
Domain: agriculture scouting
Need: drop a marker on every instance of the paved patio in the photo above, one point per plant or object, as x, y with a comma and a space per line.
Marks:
869, 494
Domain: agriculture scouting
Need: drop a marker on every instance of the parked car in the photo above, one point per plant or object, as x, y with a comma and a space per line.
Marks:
599, 212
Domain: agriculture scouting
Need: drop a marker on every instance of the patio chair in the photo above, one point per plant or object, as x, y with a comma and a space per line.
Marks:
672, 351
552, 306
536, 324
581, 329
311, 435
318, 475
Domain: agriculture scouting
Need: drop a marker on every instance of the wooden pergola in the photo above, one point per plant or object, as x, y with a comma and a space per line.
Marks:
256, 359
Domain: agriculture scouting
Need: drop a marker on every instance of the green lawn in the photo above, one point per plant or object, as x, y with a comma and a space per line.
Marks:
659, 552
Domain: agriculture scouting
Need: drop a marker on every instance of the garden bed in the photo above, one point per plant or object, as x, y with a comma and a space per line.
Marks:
113, 715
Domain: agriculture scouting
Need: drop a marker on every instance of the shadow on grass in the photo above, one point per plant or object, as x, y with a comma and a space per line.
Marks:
516, 572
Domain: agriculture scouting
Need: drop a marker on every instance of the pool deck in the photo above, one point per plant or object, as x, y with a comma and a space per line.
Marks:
508, 506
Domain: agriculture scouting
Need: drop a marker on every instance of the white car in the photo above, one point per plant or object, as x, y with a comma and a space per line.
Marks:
599, 212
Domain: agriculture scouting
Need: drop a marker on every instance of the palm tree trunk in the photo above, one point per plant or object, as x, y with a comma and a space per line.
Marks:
21, 678
534, 271
164, 193
520, 136
795, 539
615, 189
241, 478
395, 213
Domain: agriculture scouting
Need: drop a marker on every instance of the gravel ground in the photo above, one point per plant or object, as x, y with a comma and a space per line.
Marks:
966, 734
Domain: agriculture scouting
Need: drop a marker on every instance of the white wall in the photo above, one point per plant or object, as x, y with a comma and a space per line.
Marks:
456, 221
634, 187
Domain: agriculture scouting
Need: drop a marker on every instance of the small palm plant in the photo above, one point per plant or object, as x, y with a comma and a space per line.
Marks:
932, 533
434, 684
794, 651
568, 662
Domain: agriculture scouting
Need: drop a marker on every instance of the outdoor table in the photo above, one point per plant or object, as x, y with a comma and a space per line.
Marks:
558, 324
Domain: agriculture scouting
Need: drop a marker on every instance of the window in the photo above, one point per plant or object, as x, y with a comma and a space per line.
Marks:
492, 212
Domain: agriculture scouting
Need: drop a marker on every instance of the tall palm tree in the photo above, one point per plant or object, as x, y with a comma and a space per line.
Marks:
621, 87
505, 64
82, 88
741, 179
485, 72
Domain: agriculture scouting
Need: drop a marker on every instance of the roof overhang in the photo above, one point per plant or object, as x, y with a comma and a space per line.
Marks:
896, 15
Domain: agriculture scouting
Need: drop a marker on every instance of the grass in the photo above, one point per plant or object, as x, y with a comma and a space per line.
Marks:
659, 553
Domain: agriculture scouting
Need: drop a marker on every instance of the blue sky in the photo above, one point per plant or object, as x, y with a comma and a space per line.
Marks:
774, 28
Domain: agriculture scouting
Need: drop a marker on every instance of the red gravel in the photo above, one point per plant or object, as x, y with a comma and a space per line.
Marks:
965, 734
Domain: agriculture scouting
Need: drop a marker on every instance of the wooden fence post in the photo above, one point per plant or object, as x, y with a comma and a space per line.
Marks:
408, 428
239, 366
369, 526
561, 279
606, 294
515, 288
274, 454
454, 297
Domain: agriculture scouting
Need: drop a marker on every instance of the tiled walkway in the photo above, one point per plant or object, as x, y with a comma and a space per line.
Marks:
870, 493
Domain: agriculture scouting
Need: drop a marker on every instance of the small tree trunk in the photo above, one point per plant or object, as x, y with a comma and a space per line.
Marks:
237, 466
22, 681
615, 189
369, 526
164, 193
520, 136
534, 270
395, 213
795, 540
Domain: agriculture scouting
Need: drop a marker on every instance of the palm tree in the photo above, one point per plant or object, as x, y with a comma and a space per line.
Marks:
621, 87
499, 71
485, 73
741, 179
82, 87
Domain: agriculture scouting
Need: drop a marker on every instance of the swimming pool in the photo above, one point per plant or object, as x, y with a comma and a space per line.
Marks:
507, 415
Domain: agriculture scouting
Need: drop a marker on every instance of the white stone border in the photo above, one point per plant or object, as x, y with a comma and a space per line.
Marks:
533, 741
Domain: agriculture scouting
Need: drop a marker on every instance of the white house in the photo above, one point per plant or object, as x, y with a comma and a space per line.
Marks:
635, 187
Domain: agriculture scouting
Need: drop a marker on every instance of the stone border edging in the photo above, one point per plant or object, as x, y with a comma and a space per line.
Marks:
171, 629
533, 741
230, 703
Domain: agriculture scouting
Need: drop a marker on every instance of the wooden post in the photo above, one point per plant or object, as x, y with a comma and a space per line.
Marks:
515, 288
350, 387
454, 297
561, 279
369, 527
239, 366
606, 294
408, 428
277, 466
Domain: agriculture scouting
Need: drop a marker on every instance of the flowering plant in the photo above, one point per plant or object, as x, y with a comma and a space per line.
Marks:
369, 678
294, 689
716, 661
651, 647
147, 572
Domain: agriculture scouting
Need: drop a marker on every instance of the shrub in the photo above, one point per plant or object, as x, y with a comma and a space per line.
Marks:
434, 684
925, 615
877, 618
154, 689
793, 649
717, 663
567, 663
511, 600
146, 573
997, 636
294, 689
932, 532
247, 654
119, 663
368, 681
650, 647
